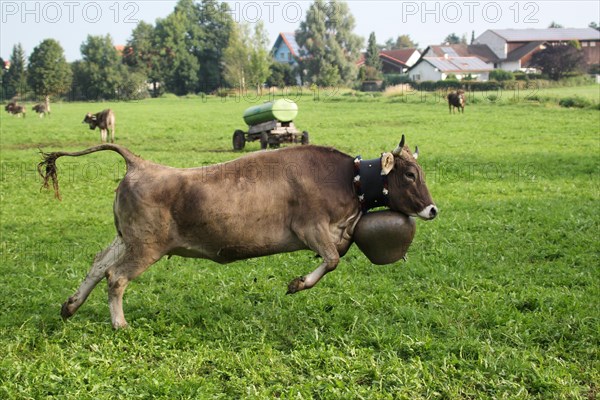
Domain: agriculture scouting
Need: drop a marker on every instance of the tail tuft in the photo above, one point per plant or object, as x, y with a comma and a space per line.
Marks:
47, 170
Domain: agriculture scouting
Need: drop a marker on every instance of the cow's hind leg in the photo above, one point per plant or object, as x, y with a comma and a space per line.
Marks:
331, 258
133, 264
105, 259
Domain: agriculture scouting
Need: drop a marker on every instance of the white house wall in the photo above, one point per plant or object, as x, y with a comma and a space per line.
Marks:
425, 72
510, 65
495, 43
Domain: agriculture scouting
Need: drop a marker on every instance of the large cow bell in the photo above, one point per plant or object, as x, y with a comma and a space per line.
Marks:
384, 236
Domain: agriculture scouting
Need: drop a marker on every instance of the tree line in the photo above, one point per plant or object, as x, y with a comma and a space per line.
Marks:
199, 48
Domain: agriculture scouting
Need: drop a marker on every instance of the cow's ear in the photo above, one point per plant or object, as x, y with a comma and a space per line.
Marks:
387, 163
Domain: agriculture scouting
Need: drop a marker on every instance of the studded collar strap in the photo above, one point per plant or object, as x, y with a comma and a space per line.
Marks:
371, 187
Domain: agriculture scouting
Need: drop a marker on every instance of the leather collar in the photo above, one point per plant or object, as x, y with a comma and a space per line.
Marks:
371, 187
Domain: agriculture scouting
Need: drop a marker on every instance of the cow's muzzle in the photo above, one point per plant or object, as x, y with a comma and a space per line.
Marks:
429, 212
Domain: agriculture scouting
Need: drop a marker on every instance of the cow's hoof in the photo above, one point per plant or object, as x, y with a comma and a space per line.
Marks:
65, 311
120, 325
296, 285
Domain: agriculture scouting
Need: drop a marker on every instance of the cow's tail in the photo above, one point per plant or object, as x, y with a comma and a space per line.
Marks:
48, 171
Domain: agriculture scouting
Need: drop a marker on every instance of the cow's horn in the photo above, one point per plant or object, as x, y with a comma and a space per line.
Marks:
398, 150
416, 153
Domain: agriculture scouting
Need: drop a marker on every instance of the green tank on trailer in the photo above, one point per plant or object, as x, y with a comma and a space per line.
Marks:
281, 110
271, 123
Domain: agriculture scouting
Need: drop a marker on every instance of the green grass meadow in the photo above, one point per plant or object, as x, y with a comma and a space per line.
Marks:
499, 297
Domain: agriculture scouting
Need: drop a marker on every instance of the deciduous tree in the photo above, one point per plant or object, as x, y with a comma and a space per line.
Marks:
556, 61
49, 73
281, 75
102, 70
451, 39
405, 42
217, 25
329, 47
178, 42
142, 55
247, 57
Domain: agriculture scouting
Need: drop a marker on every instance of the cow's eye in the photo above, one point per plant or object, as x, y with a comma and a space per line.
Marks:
411, 176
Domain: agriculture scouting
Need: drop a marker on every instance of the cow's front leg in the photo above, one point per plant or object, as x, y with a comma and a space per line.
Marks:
103, 134
331, 259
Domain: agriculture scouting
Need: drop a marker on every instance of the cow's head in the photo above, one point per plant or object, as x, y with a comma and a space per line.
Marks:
408, 192
90, 119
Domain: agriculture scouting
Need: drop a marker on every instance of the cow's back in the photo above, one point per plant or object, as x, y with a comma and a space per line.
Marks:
105, 119
255, 205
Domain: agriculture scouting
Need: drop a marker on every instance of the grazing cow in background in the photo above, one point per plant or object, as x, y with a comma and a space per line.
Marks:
16, 109
456, 100
43, 108
11, 104
264, 203
104, 120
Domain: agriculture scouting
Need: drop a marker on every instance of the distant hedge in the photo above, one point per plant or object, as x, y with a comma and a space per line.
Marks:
492, 85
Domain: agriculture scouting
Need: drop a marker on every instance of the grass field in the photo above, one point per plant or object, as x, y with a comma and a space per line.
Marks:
499, 298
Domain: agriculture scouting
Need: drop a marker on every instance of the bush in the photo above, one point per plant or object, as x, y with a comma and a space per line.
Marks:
281, 75
492, 98
133, 87
574, 102
368, 73
501, 75
395, 79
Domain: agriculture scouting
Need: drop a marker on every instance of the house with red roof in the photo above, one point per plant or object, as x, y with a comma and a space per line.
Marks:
286, 49
395, 61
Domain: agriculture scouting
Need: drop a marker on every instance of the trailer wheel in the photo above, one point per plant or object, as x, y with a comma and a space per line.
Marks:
304, 139
239, 140
264, 140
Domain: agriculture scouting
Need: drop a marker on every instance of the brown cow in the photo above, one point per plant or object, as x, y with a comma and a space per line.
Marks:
456, 100
261, 204
9, 107
104, 120
16, 109
43, 108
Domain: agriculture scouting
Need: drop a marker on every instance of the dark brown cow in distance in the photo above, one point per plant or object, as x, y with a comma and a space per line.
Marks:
14, 108
104, 120
9, 107
17, 109
263, 203
456, 100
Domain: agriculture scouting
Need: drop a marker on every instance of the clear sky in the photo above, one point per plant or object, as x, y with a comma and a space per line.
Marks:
427, 22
